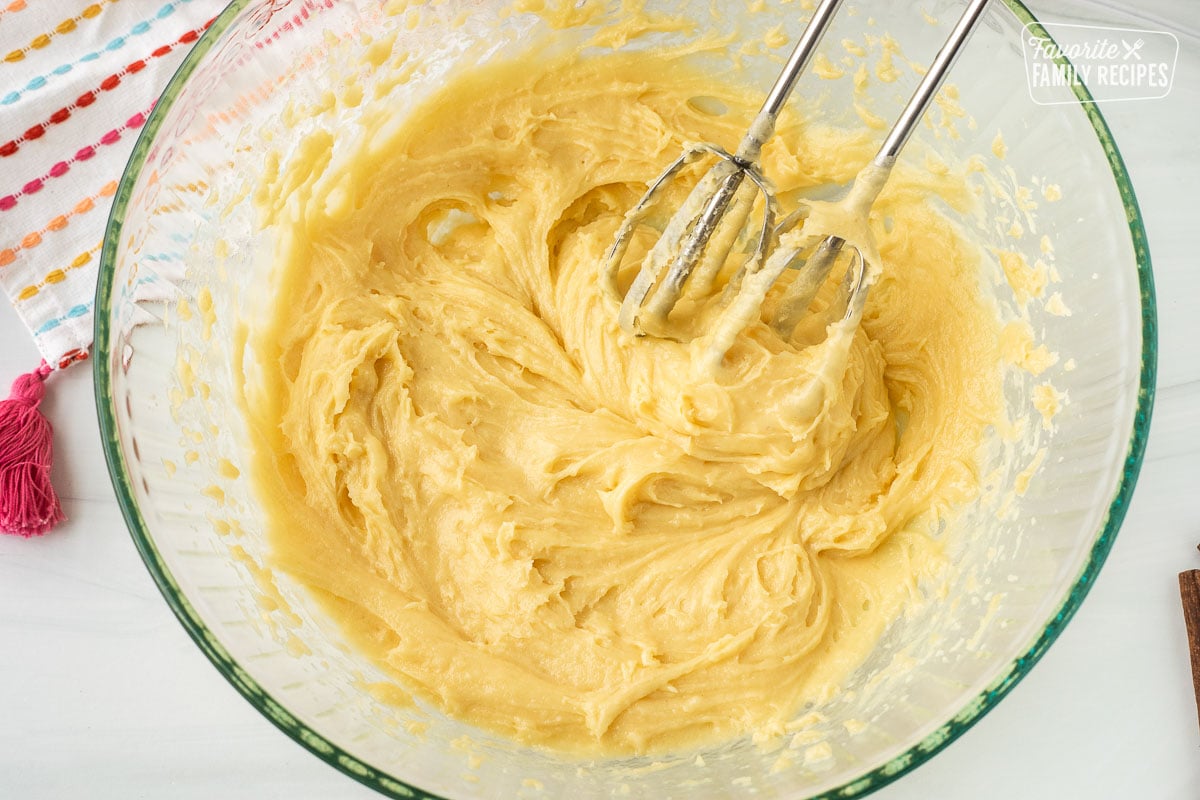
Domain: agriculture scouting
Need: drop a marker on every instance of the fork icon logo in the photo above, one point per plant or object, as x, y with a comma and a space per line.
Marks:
1132, 49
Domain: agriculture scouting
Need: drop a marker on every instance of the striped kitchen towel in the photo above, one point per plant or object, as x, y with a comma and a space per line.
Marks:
76, 83
77, 80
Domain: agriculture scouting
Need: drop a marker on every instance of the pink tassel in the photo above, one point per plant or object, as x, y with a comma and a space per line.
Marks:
28, 504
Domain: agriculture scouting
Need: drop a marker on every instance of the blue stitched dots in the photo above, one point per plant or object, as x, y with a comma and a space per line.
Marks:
165, 258
74, 313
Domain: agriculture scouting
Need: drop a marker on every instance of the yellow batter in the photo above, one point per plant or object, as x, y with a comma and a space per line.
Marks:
558, 532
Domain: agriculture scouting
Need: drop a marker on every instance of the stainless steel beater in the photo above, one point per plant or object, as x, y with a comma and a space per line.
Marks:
698, 238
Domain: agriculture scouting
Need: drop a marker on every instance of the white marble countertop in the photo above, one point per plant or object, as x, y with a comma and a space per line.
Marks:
102, 694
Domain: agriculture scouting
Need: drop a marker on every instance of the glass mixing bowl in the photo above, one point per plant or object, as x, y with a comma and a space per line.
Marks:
180, 264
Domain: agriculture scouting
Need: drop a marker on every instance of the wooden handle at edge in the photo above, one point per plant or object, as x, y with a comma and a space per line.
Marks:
1189, 592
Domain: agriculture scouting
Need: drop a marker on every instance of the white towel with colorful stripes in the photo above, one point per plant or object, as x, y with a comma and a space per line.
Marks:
77, 80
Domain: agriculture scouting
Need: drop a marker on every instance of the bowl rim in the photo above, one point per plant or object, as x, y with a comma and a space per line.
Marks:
377, 779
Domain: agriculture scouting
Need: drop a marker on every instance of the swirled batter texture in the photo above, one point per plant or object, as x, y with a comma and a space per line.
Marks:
556, 531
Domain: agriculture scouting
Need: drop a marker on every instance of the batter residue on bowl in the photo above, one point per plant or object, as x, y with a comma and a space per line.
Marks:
555, 531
